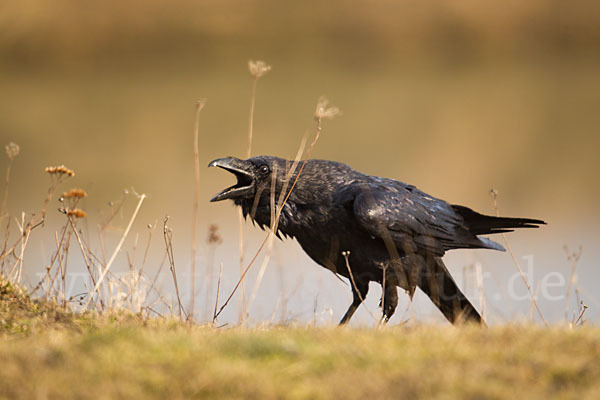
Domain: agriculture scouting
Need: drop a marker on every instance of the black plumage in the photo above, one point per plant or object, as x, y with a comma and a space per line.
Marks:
388, 227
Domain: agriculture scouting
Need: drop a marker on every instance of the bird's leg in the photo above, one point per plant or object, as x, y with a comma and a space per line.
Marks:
390, 301
441, 288
357, 299
389, 295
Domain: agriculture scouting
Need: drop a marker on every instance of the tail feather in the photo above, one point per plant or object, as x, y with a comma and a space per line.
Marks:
441, 288
479, 224
490, 244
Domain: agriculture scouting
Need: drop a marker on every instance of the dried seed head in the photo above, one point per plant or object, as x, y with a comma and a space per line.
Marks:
258, 68
213, 235
201, 102
493, 193
324, 111
75, 193
77, 213
12, 150
60, 170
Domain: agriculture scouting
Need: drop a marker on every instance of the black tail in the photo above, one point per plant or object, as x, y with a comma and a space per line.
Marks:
437, 283
479, 224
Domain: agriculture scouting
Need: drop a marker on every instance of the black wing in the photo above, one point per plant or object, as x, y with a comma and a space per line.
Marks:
414, 220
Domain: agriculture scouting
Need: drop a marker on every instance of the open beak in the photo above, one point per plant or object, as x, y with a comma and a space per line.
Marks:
241, 170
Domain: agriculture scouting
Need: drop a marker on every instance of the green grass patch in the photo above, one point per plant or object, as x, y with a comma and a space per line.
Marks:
123, 356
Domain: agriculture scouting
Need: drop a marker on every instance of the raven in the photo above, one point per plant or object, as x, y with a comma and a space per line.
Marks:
366, 228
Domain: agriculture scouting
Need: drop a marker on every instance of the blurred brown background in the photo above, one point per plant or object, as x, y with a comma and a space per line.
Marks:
454, 97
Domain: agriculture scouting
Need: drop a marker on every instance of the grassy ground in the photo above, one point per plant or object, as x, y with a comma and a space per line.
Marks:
49, 353
456, 84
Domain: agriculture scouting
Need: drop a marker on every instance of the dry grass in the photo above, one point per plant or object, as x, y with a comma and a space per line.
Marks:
50, 352
53, 354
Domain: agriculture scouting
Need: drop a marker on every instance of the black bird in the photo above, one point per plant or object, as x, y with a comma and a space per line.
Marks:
380, 229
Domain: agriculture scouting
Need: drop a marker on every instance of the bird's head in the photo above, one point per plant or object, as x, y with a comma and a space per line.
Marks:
254, 177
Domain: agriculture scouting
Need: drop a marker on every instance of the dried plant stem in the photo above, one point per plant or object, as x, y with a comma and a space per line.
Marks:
218, 292
66, 247
479, 275
53, 259
63, 271
141, 271
6, 236
251, 117
516, 262
243, 303
583, 308
573, 258
199, 106
115, 208
168, 235
20, 259
310, 149
85, 258
321, 113
51, 284
131, 259
3, 211
158, 272
267, 258
276, 309
36, 220
115, 252
208, 278
532, 308
264, 242
385, 267
243, 275
346, 254
61, 247
514, 258
257, 69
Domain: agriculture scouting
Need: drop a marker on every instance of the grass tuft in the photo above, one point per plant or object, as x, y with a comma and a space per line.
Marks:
20, 314
124, 355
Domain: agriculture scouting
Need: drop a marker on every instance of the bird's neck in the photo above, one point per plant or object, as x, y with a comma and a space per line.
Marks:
260, 213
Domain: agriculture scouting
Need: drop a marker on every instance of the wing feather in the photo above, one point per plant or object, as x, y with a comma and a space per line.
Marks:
414, 220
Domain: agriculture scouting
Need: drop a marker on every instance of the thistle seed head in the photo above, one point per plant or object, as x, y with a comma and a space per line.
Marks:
258, 68
12, 150
324, 111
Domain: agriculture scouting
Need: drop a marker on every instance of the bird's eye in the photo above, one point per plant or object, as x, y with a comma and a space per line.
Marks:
264, 169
